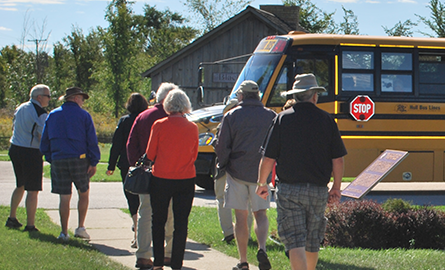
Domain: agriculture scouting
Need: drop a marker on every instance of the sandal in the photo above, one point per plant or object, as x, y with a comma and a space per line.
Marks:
241, 266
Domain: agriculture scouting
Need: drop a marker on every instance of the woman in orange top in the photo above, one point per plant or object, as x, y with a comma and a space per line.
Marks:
173, 146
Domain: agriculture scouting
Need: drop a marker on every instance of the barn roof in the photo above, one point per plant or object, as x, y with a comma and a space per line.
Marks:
266, 17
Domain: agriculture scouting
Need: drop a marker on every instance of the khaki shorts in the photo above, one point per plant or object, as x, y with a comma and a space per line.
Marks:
238, 194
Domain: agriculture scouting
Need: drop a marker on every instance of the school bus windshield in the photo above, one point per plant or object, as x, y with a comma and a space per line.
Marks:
259, 69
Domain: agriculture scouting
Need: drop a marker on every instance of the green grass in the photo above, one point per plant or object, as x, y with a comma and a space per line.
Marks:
42, 250
204, 228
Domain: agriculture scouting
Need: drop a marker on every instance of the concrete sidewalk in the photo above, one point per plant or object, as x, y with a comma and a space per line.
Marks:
110, 231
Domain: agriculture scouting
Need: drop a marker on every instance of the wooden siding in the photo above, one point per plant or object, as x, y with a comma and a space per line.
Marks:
238, 40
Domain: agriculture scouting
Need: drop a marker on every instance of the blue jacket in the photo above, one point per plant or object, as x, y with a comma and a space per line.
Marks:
69, 133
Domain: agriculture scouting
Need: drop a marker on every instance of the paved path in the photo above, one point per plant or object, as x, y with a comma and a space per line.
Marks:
110, 228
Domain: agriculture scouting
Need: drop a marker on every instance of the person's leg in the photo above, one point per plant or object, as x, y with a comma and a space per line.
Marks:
16, 198
160, 200
144, 251
224, 214
297, 258
261, 228
133, 203
312, 260
31, 207
183, 195
241, 233
169, 232
82, 207
64, 212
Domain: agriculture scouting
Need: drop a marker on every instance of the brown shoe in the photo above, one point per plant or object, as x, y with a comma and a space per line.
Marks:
142, 263
167, 261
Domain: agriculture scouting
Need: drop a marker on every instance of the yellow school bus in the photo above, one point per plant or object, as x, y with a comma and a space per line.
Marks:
401, 81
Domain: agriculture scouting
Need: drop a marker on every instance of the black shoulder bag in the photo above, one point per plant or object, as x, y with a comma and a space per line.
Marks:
138, 177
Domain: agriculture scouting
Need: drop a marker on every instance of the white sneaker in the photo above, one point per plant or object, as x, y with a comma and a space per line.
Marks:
81, 232
64, 237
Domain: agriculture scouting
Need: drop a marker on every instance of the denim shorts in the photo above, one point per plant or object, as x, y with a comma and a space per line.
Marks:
300, 215
64, 172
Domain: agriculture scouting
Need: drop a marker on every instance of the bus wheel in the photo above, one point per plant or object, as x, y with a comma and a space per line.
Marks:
204, 181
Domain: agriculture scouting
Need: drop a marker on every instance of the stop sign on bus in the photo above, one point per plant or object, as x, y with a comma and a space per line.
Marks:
362, 108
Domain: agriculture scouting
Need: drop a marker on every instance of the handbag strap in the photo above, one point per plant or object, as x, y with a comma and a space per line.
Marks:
143, 160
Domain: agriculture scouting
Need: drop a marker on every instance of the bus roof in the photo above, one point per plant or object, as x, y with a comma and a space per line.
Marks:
301, 38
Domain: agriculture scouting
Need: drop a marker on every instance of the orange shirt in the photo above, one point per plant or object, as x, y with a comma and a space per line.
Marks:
173, 146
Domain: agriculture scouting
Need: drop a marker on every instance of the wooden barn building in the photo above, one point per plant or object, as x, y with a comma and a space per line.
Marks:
222, 52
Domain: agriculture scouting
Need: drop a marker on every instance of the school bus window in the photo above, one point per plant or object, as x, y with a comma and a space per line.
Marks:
397, 83
358, 60
431, 73
319, 67
276, 100
397, 61
357, 82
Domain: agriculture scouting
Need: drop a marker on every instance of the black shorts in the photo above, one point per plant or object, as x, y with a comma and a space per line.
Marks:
64, 172
28, 167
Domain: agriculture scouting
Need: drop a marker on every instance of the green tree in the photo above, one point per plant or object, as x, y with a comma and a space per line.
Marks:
85, 53
63, 68
211, 13
437, 21
350, 24
121, 48
400, 29
163, 33
3, 84
21, 76
312, 18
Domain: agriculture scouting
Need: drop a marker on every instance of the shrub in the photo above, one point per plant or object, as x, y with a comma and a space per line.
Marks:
367, 224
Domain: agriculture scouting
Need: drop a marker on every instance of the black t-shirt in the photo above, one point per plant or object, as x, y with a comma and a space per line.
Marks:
303, 140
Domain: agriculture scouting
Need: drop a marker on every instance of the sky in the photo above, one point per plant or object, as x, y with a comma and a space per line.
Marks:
60, 16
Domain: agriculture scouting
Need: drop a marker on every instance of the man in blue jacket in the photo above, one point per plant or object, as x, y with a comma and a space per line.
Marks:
69, 143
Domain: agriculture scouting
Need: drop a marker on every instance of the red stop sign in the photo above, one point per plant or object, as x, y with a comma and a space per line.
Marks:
362, 108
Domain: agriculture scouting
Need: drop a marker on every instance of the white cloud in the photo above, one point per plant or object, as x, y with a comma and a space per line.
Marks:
372, 2
407, 1
5, 29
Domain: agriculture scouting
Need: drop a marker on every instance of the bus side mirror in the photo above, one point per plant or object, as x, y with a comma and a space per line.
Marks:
200, 95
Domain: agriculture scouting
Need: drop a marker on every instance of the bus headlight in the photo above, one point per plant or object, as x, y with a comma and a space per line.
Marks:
206, 139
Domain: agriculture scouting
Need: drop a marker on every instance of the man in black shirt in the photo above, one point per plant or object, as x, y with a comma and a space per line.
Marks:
306, 145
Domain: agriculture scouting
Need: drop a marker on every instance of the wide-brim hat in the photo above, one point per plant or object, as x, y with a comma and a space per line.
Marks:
248, 86
72, 91
304, 82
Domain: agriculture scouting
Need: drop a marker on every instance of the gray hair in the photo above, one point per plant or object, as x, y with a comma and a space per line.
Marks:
163, 90
37, 90
304, 96
177, 101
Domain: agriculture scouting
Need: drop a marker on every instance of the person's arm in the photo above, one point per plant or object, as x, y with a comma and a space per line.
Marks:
133, 143
265, 168
337, 173
116, 145
223, 145
45, 147
93, 152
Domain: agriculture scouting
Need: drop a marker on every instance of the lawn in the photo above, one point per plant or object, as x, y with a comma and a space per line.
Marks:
204, 228
42, 250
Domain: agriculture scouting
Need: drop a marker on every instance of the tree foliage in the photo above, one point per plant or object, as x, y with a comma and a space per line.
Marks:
350, 24
312, 18
211, 13
401, 29
437, 21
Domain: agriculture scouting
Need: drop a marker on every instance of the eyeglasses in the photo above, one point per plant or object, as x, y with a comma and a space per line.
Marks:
48, 96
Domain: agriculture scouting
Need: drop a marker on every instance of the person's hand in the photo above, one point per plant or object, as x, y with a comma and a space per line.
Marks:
334, 196
109, 172
91, 171
263, 192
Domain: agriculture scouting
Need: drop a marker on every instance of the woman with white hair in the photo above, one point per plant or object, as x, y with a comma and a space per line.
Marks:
173, 147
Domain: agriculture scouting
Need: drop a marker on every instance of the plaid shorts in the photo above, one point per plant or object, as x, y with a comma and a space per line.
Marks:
67, 171
300, 215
